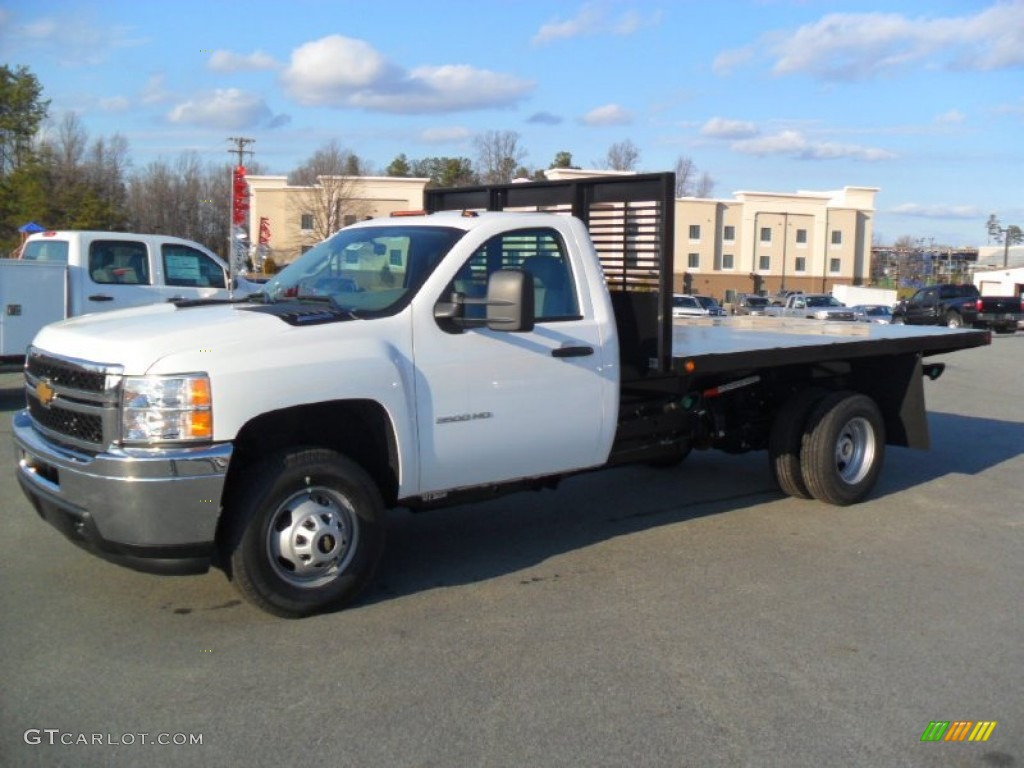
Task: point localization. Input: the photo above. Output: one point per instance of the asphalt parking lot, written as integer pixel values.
(684, 617)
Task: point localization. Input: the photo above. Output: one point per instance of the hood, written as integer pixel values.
(137, 338)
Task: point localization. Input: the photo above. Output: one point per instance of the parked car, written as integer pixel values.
(750, 305)
(713, 307)
(816, 306)
(872, 313)
(684, 305)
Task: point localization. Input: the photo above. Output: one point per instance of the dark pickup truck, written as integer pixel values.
(958, 306)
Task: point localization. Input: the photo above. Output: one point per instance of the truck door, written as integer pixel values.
(921, 309)
(118, 274)
(494, 405)
(190, 274)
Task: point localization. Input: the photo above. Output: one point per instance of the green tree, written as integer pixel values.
(445, 171)
(1009, 235)
(22, 110)
(563, 159)
(399, 167)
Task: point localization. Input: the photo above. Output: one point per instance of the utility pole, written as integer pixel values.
(236, 231)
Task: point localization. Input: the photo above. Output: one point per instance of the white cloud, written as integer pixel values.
(609, 114)
(938, 211)
(952, 117)
(795, 144)
(115, 104)
(155, 90)
(228, 61)
(721, 128)
(858, 46)
(593, 20)
(452, 134)
(338, 71)
(226, 108)
(544, 118)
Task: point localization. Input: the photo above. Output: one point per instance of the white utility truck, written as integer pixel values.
(510, 337)
(70, 273)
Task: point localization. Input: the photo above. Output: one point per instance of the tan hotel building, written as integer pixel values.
(756, 242)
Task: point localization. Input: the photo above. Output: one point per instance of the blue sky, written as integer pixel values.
(924, 101)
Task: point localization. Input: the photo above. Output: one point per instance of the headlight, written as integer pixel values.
(166, 408)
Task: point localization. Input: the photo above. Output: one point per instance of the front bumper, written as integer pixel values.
(151, 510)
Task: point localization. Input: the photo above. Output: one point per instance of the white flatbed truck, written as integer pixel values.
(506, 338)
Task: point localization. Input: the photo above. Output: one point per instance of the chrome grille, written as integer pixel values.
(73, 402)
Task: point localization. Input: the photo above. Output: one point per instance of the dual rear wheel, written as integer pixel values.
(828, 446)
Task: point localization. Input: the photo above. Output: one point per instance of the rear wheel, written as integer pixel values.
(785, 440)
(843, 448)
(306, 536)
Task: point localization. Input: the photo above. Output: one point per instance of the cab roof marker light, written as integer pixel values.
(398, 214)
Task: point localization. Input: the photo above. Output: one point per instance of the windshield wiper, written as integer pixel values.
(327, 299)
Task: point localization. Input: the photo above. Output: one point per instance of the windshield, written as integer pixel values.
(707, 302)
(756, 301)
(365, 269)
(823, 301)
(46, 250)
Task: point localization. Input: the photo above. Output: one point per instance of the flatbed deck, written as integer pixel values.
(717, 345)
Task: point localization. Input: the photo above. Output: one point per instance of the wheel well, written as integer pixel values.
(359, 429)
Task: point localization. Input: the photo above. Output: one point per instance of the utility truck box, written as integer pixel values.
(501, 340)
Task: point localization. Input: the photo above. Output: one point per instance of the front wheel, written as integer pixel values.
(899, 320)
(307, 535)
(843, 448)
(953, 320)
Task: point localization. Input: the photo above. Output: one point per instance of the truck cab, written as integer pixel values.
(115, 270)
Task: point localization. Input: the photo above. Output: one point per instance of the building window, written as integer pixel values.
(766, 234)
(306, 223)
(764, 263)
(801, 237)
(695, 232)
(729, 233)
(693, 260)
(833, 265)
(727, 261)
(837, 237)
(801, 264)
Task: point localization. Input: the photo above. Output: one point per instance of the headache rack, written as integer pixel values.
(631, 222)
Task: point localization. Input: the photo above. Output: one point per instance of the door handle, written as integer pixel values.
(100, 297)
(572, 352)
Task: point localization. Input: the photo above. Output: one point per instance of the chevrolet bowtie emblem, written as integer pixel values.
(44, 392)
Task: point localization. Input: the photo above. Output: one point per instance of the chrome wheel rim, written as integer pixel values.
(855, 450)
(312, 537)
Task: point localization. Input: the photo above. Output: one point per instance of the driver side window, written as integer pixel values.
(541, 253)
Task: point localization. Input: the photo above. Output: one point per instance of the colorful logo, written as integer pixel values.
(958, 730)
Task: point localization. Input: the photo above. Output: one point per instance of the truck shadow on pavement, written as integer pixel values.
(516, 533)
(961, 445)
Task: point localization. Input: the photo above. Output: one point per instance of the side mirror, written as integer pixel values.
(510, 301)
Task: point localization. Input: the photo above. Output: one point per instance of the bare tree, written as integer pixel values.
(705, 186)
(623, 156)
(686, 174)
(498, 156)
(328, 199)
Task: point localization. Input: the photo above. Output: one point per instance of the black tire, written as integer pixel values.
(785, 441)
(954, 320)
(307, 534)
(843, 448)
(899, 320)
